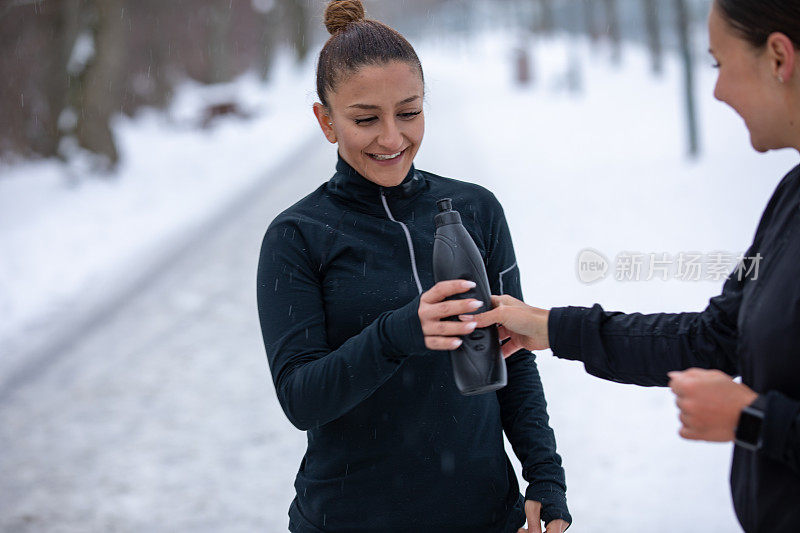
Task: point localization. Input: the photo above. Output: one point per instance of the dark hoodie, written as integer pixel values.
(752, 329)
(392, 444)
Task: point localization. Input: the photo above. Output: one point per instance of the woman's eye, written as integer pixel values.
(409, 115)
(715, 64)
(404, 116)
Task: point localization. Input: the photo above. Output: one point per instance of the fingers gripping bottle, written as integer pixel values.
(478, 363)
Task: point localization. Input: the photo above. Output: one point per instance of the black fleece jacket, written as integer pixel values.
(752, 329)
(392, 444)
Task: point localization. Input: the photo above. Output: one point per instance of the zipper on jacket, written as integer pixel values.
(408, 239)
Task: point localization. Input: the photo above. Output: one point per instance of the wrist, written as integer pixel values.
(546, 328)
(535, 333)
(553, 500)
(748, 396)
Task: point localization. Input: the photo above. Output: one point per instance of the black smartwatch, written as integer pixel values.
(749, 431)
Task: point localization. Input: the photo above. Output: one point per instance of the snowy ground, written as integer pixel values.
(163, 418)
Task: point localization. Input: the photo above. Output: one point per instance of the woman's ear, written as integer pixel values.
(325, 122)
(782, 55)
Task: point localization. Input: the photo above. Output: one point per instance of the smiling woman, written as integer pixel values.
(354, 342)
(371, 89)
(375, 115)
(756, 61)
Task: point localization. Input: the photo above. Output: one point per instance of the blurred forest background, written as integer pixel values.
(67, 67)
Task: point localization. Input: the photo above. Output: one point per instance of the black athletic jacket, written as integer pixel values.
(392, 444)
(752, 329)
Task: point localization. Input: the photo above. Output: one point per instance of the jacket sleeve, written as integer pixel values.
(523, 408)
(781, 430)
(641, 349)
(314, 383)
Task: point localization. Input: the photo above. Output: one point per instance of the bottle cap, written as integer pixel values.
(446, 214)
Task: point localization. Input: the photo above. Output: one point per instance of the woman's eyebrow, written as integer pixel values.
(408, 100)
(372, 106)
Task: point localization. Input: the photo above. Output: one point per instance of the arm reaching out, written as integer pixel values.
(627, 348)
(524, 325)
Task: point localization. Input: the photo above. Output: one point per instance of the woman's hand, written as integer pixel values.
(442, 334)
(710, 403)
(533, 512)
(526, 326)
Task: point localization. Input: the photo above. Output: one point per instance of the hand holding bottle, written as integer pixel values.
(443, 334)
(525, 326)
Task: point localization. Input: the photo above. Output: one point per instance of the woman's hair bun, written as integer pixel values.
(340, 13)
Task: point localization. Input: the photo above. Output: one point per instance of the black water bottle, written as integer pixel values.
(478, 363)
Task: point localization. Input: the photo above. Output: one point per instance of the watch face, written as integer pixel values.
(749, 429)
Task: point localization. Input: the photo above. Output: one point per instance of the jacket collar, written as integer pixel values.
(354, 189)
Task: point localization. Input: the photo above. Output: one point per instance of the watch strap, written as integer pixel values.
(750, 429)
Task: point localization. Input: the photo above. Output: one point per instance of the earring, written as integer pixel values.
(331, 123)
(780, 78)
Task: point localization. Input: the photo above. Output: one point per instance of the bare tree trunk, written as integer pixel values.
(613, 30)
(546, 21)
(590, 20)
(157, 46)
(574, 74)
(653, 30)
(683, 22)
(522, 66)
(100, 82)
(266, 54)
(65, 29)
(159, 73)
(296, 14)
(219, 25)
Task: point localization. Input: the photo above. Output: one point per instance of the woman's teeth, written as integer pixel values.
(380, 157)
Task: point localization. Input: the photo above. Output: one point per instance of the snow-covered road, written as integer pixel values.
(163, 418)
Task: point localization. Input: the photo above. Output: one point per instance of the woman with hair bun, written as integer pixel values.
(753, 328)
(354, 341)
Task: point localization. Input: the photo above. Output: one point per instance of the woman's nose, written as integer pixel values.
(718, 92)
(390, 136)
